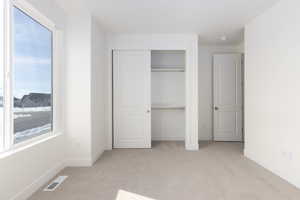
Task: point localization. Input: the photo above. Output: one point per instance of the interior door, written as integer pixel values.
(132, 100)
(228, 108)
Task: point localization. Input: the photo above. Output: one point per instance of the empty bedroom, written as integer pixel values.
(149, 100)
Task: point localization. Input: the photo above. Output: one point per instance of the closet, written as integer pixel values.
(167, 95)
(148, 97)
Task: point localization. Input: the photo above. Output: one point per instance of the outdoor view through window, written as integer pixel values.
(32, 77)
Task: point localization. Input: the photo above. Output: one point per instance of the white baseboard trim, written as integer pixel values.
(205, 138)
(192, 147)
(79, 162)
(246, 153)
(96, 156)
(167, 138)
(38, 183)
(108, 148)
(249, 156)
(51, 173)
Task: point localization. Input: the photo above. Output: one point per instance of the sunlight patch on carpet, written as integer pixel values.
(123, 195)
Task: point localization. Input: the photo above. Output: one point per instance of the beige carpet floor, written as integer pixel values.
(218, 171)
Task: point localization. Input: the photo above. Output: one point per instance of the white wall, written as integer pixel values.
(98, 90)
(85, 44)
(78, 87)
(25, 170)
(206, 85)
(272, 86)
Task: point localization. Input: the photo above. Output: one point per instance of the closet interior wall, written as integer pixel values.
(168, 95)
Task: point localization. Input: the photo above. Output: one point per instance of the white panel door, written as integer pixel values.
(132, 100)
(228, 108)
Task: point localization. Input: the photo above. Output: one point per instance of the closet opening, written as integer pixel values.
(168, 95)
(150, 98)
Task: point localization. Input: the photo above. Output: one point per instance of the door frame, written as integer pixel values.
(191, 87)
(186, 94)
(243, 93)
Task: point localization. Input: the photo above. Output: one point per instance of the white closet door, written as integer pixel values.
(227, 97)
(132, 100)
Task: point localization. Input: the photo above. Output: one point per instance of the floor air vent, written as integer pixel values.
(54, 184)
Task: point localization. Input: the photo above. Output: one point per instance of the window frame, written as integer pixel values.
(7, 138)
(2, 42)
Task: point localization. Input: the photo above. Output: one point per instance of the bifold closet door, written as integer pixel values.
(132, 100)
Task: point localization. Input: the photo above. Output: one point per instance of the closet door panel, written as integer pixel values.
(132, 100)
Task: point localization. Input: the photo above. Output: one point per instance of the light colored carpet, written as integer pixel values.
(167, 172)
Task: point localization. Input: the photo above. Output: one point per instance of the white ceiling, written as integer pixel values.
(209, 18)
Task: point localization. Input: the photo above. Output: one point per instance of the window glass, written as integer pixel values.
(32, 77)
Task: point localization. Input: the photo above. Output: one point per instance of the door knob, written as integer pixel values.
(216, 108)
(148, 111)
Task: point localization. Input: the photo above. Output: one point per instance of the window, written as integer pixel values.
(32, 77)
(26, 73)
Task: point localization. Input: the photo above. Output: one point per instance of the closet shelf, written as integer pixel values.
(167, 69)
(167, 107)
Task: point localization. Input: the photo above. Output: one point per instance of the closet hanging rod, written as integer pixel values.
(167, 69)
(168, 66)
(168, 108)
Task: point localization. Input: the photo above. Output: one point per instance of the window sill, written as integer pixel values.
(28, 144)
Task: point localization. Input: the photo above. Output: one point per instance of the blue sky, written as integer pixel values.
(32, 56)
